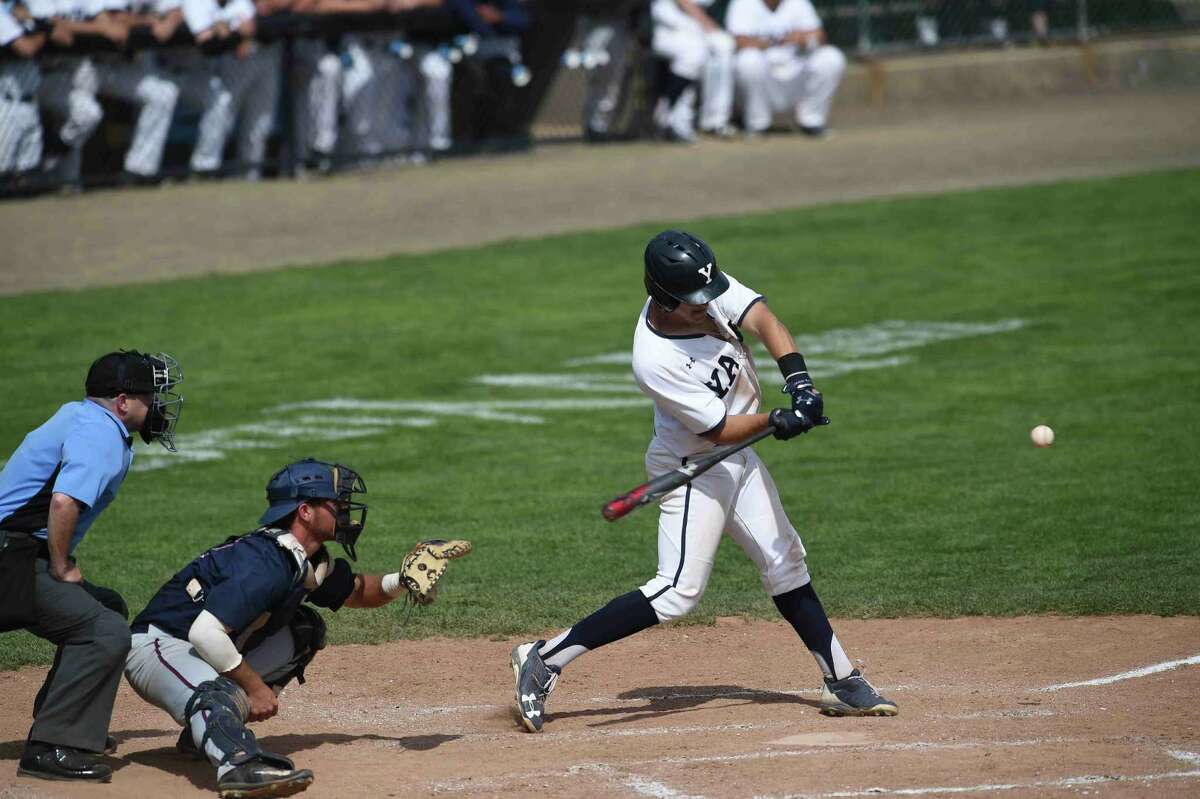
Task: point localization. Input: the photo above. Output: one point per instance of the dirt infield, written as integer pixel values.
(137, 235)
(723, 711)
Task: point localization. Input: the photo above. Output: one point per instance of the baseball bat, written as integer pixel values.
(681, 475)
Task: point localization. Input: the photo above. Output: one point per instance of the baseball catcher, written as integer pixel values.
(221, 639)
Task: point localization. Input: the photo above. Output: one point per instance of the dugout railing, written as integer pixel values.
(501, 90)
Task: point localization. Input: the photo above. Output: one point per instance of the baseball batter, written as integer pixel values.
(222, 638)
(690, 356)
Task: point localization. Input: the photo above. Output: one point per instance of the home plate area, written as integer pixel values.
(1031, 706)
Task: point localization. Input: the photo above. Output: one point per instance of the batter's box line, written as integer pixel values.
(1145, 671)
(988, 788)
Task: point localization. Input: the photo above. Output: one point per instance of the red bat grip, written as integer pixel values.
(625, 503)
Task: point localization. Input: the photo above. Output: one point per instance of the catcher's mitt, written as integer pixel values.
(426, 563)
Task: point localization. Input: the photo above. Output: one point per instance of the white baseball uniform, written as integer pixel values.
(785, 76)
(697, 54)
(137, 82)
(695, 382)
(20, 127)
(254, 84)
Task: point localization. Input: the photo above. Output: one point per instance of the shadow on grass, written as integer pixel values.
(673, 699)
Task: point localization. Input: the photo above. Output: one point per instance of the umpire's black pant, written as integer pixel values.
(87, 622)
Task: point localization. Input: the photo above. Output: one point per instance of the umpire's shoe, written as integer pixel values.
(48, 762)
(263, 776)
(535, 681)
(854, 696)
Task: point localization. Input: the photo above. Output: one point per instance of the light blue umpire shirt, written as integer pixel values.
(83, 451)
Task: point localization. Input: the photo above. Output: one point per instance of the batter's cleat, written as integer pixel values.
(535, 681)
(262, 778)
(186, 745)
(854, 696)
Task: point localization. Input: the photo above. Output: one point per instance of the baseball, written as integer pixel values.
(1042, 435)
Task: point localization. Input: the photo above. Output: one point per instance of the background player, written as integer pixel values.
(783, 63)
(222, 638)
(690, 357)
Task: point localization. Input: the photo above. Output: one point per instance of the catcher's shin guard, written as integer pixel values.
(224, 708)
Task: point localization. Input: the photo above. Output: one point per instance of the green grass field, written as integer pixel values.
(924, 497)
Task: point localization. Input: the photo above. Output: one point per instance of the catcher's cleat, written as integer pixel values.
(854, 696)
(535, 681)
(260, 778)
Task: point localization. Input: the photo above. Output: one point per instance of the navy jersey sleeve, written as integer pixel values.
(337, 587)
(254, 583)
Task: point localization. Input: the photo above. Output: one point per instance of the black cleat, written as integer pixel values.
(854, 696)
(47, 762)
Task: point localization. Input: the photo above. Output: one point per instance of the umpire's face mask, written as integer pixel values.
(161, 419)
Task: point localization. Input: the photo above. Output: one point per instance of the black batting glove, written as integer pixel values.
(789, 423)
(806, 399)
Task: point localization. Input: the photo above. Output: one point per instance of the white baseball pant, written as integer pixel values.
(804, 84)
(375, 90)
(319, 79)
(437, 74)
(697, 54)
(165, 671)
(738, 497)
(253, 82)
(20, 126)
(68, 90)
(137, 83)
(200, 87)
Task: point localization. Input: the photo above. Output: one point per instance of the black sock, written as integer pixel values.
(674, 86)
(621, 618)
(804, 612)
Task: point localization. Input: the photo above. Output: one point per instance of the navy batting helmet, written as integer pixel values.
(310, 479)
(682, 268)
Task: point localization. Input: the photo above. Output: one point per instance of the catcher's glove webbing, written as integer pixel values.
(426, 563)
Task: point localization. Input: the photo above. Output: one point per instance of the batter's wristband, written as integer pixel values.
(793, 367)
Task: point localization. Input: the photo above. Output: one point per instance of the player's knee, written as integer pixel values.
(161, 94)
(220, 697)
(85, 110)
(750, 65)
(689, 60)
(329, 66)
(830, 60)
(722, 45)
(112, 639)
(435, 66)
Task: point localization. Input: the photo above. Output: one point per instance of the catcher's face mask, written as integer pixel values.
(346, 484)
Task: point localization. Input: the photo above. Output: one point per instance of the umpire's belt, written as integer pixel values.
(18, 98)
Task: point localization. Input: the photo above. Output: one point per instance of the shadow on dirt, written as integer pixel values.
(669, 700)
(11, 750)
(201, 774)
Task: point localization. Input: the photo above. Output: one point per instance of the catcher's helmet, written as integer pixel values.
(682, 268)
(312, 479)
(132, 372)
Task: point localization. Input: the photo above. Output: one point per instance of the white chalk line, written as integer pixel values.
(985, 788)
(1191, 758)
(1126, 675)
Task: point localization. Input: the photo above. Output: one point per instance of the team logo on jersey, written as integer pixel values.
(706, 270)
